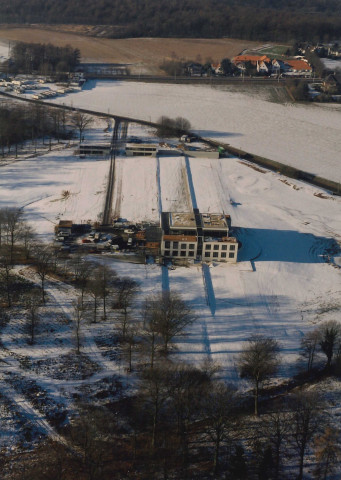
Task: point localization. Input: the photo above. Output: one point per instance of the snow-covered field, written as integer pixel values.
(135, 193)
(55, 186)
(305, 136)
(287, 230)
(284, 284)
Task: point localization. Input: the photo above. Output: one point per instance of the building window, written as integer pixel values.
(231, 255)
(183, 246)
(224, 247)
(216, 247)
(175, 253)
(191, 254)
(207, 254)
(175, 244)
(191, 246)
(167, 252)
(183, 253)
(208, 247)
(232, 247)
(215, 254)
(223, 255)
(167, 244)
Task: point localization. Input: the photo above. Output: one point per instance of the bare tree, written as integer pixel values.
(171, 316)
(258, 361)
(125, 292)
(82, 270)
(150, 337)
(309, 348)
(32, 304)
(28, 240)
(12, 221)
(6, 277)
(105, 277)
(219, 403)
(43, 256)
(130, 341)
(2, 225)
(327, 453)
(81, 121)
(95, 291)
(276, 428)
(187, 386)
(154, 394)
(98, 286)
(78, 316)
(305, 420)
(330, 340)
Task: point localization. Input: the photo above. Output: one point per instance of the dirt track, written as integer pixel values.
(144, 54)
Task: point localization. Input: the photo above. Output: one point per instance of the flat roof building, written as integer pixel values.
(91, 149)
(201, 236)
(141, 149)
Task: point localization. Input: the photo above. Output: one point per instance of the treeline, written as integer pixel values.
(43, 58)
(19, 124)
(312, 20)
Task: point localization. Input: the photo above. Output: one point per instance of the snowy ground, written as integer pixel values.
(135, 194)
(58, 185)
(305, 136)
(284, 283)
(54, 187)
(281, 285)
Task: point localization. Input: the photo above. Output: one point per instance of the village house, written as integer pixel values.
(298, 67)
(194, 69)
(265, 66)
(216, 68)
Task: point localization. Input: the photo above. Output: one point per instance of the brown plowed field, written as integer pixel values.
(143, 54)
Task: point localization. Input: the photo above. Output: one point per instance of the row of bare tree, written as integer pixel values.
(183, 423)
(20, 124)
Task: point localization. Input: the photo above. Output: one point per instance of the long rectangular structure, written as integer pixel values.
(98, 149)
(141, 149)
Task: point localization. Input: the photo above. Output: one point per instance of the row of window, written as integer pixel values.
(183, 246)
(207, 246)
(176, 253)
(223, 246)
(216, 255)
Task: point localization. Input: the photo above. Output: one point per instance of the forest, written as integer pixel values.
(44, 58)
(269, 20)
